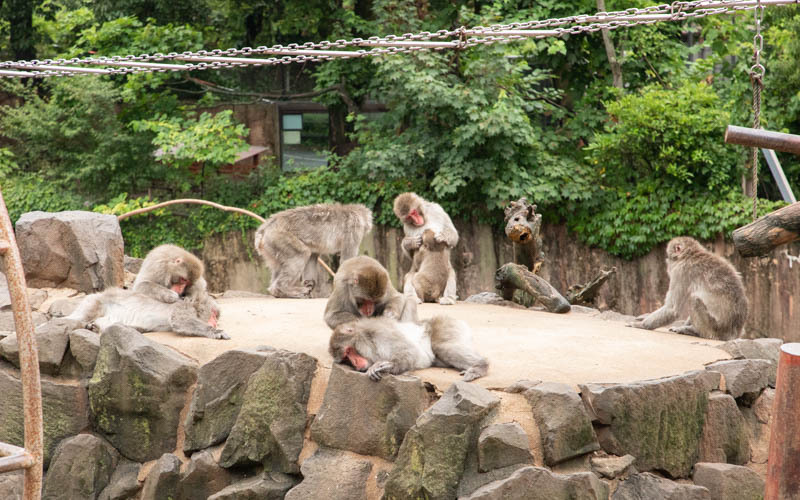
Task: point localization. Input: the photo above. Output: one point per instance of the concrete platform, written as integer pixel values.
(521, 344)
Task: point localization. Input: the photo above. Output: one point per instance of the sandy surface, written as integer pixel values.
(520, 344)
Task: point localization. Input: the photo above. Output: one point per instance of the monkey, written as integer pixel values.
(418, 215)
(706, 285)
(383, 345)
(430, 270)
(362, 288)
(146, 314)
(169, 272)
(291, 241)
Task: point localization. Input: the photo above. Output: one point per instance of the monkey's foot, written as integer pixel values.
(375, 371)
(446, 301)
(637, 324)
(309, 284)
(685, 330)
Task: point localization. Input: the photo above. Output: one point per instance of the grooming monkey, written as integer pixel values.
(169, 272)
(430, 270)
(291, 241)
(417, 216)
(704, 284)
(362, 288)
(195, 317)
(382, 345)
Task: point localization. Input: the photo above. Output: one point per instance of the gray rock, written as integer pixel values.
(137, 392)
(729, 482)
(521, 386)
(81, 467)
(218, 397)
(757, 418)
(646, 486)
(36, 298)
(591, 311)
(563, 422)
(431, 459)
(204, 477)
(7, 320)
(769, 349)
(74, 249)
(11, 487)
(612, 467)
(472, 479)
(332, 475)
(267, 486)
(65, 410)
(501, 445)
(659, 422)
(743, 377)
(84, 346)
(270, 426)
(378, 423)
(52, 339)
(537, 482)
(725, 437)
(492, 299)
(64, 307)
(132, 264)
(615, 316)
(124, 483)
(161, 482)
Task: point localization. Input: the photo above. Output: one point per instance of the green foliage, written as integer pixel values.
(29, 192)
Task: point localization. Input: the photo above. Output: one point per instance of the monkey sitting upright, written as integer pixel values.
(362, 288)
(382, 345)
(430, 270)
(704, 284)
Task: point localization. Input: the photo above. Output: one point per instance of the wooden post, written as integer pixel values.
(768, 232)
(783, 467)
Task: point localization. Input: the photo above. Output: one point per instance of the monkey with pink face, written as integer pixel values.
(419, 215)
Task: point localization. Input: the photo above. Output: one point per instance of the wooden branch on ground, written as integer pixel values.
(768, 232)
(511, 277)
(586, 293)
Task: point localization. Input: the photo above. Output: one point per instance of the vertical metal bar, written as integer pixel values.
(28, 355)
(778, 175)
(783, 466)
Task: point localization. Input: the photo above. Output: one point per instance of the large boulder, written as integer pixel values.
(538, 482)
(743, 377)
(81, 467)
(80, 250)
(725, 437)
(218, 397)
(501, 445)
(649, 486)
(333, 475)
(124, 482)
(728, 482)
(204, 477)
(52, 339)
(161, 482)
(660, 422)
(431, 459)
(270, 426)
(769, 349)
(84, 346)
(65, 410)
(266, 486)
(758, 418)
(377, 424)
(137, 392)
(563, 422)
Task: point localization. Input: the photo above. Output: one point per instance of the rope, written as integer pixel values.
(757, 79)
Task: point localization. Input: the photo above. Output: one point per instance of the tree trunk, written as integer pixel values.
(616, 68)
(768, 232)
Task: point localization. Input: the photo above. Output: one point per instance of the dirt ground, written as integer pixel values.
(520, 344)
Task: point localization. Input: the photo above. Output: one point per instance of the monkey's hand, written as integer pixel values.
(638, 324)
(412, 242)
(641, 317)
(220, 335)
(375, 371)
(170, 297)
(446, 301)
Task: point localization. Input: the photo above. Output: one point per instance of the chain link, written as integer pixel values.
(380, 46)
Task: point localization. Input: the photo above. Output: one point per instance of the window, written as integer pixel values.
(304, 140)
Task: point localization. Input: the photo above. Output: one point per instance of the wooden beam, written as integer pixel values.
(778, 141)
(768, 232)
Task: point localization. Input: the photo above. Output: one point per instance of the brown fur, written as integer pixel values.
(704, 285)
(362, 279)
(430, 268)
(405, 202)
(291, 241)
(164, 266)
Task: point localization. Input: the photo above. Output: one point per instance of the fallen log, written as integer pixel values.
(768, 232)
(511, 277)
(584, 295)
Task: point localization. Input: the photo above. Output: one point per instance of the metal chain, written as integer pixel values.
(459, 38)
(757, 79)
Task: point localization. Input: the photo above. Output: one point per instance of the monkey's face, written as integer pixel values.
(342, 350)
(180, 285)
(368, 288)
(415, 218)
(679, 247)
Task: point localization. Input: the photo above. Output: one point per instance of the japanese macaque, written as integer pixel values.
(168, 273)
(430, 270)
(707, 287)
(382, 345)
(419, 215)
(291, 241)
(362, 288)
(192, 317)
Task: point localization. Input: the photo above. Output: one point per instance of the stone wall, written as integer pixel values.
(772, 282)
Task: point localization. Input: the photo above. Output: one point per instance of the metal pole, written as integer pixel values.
(783, 466)
(28, 355)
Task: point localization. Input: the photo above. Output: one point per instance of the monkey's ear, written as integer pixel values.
(348, 329)
(678, 248)
(178, 260)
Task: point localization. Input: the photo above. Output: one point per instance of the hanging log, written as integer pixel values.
(522, 228)
(584, 295)
(768, 232)
(751, 137)
(511, 277)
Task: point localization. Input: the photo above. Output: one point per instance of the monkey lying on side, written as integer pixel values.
(430, 270)
(704, 284)
(146, 314)
(384, 345)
